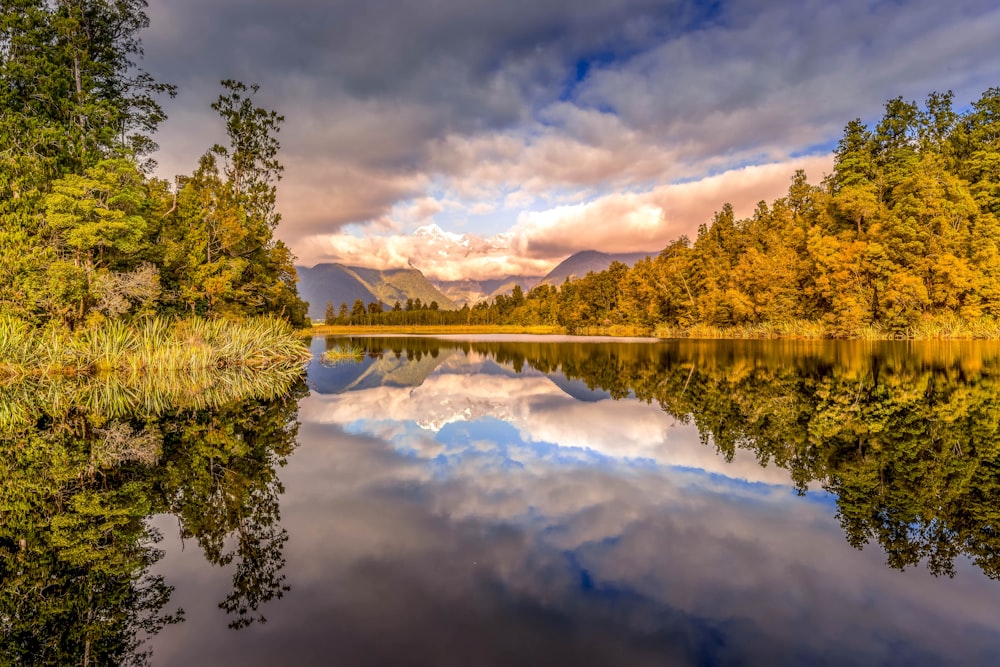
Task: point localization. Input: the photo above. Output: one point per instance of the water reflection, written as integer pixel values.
(85, 461)
(904, 435)
(450, 502)
(460, 511)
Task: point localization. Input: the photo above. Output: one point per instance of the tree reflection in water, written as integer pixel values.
(84, 463)
(904, 434)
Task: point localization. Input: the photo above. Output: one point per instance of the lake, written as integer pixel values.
(504, 500)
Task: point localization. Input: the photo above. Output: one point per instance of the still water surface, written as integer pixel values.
(495, 502)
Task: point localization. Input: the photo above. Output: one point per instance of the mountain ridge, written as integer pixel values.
(579, 264)
(338, 283)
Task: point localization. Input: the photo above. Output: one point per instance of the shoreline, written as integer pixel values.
(795, 331)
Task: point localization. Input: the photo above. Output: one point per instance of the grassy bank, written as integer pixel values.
(151, 344)
(429, 329)
(121, 395)
(948, 327)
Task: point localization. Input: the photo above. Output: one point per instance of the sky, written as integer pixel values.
(476, 139)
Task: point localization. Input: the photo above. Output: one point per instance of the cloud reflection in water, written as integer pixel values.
(482, 516)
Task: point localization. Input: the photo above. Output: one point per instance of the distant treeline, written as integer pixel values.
(905, 233)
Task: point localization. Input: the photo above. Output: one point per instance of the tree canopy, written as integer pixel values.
(85, 232)
(905, 231)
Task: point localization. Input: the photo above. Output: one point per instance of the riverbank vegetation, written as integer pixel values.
(152, 343)
(902, 240)
(375, 329)
(90, 242)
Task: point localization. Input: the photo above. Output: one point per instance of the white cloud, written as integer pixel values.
(626, 222)
(542, 413)
(468, 103)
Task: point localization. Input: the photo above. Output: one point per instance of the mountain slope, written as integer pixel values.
(474, 291)
(395, 285)
(580, 264)
(336, 283)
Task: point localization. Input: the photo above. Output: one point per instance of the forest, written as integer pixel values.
(87, 235)
(901, 239)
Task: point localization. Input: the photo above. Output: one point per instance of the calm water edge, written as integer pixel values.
(517, 501)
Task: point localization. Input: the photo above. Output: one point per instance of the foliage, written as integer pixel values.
(339, 354)
(903, 235)
(85, 468)
(85, 233)
(152, 344)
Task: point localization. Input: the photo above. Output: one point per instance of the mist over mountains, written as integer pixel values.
(338, 283)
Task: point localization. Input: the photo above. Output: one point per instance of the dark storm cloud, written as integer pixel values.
(477, 60)
(368, 88)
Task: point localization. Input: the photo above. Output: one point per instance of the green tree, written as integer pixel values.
(223, 257)
(72, 94)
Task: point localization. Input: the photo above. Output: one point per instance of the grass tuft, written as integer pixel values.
(342, 354)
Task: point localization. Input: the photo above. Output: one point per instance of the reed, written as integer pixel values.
(17, 346)
(364, 330)
(948, 326)
(122, 395)
(146, 345)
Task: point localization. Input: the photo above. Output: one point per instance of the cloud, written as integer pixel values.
(621, 222)
(649, 221)
(437, 254)
(541, 412)
(546, 103)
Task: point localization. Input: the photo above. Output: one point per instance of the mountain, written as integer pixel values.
(580, 264)
(335, 283)
(574, 266)
(382, 371)
(474, 291)
(339, 284)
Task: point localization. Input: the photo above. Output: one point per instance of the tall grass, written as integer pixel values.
(149, 344)
(789, 329)
(948, 326)
(364, 330)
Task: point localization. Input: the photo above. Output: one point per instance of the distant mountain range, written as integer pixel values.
(337, 283)
(580, 264)
(474, 291)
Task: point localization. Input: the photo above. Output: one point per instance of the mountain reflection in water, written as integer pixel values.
(455, 502)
